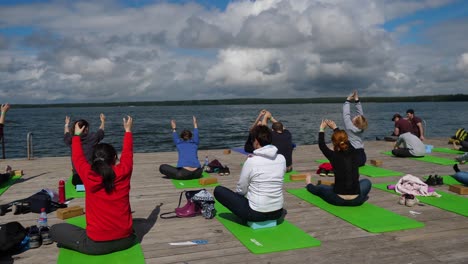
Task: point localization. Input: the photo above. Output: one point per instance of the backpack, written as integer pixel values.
(461, 134)
(11, 236)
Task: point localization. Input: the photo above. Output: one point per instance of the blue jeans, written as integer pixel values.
(328, 195)
(239, 205)
(462, 177)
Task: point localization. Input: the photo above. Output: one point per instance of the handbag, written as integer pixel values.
(198, 202)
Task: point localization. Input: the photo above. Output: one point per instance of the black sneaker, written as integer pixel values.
(323, 172)
(35, 239)
(226, 171)
(431, 181)
(45, 236)
(439, 180)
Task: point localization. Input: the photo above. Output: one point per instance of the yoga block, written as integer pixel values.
(377, 163)
(65, 213)
(207, 181)
(18, 173)
(322, 182)
(227, 151)
(297, 177)
(264, 224)
(458, 188)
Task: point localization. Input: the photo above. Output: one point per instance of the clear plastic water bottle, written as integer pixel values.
(42, 221)
(207, 161)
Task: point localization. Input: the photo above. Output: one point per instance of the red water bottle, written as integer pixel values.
(61, 190)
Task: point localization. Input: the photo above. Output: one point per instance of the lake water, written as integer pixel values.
(219, 126)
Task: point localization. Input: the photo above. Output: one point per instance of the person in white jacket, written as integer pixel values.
(259, 192)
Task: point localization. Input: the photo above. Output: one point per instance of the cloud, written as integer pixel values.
(269, 48)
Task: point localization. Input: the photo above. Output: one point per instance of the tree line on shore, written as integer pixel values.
(249, 101)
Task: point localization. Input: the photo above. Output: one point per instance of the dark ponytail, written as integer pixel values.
(104, 156)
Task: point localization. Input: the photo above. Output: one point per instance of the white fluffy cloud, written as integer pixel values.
(274, 48)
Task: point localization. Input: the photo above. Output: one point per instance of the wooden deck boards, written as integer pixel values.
(444, 239)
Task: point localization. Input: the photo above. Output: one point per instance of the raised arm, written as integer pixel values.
(67, 125)
(260, 117)
(323, 147)
(126, 158)
(4, 109)
(195, 124)
(103, 121)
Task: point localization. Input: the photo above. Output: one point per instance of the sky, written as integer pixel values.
(148, 50)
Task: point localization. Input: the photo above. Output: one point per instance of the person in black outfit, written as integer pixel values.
(348, 190)
(88, 140)
(281, 139)
(260, 120)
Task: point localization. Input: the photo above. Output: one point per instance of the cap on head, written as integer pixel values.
(397, 115)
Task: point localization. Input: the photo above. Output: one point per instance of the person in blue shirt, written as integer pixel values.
(188, 167)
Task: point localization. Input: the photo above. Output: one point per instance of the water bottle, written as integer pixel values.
(61, 190)
(42, 221)
(207, 161)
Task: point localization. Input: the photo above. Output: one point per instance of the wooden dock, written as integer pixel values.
(444, 239)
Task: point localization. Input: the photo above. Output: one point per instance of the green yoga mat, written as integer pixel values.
(372, 171)
(430, 159)
(130, 255)
(284, 236)
(288, 174)
(447, 150)
(449, 202)
(181, 184)
(369, 217)
(7, 184)
(70, 190)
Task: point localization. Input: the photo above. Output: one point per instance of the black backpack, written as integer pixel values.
(11, 236)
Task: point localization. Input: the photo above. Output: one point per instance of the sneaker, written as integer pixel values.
(221, 172)
(431, 181)
(331, 173)
(35, 240)
(402, 199)
(45, 236)
(323, 172)
(439, 180)
(462, 159)
(411, 200)
(226, 171)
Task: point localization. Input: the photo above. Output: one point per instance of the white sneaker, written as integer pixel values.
(410, 202)
(402, 200)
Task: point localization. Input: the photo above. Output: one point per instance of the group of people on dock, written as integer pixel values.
(259, 192)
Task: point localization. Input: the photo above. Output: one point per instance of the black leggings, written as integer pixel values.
(403, 152)
(239, 205)
(180, 173)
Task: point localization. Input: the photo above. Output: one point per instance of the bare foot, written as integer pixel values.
(308, 179)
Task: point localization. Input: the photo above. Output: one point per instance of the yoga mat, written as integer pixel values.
(130, 255)
(70, 190)
(181, 184)
(4, 186)
(284, 236)
(449, 202)
(241, 151)
(367, 216)
(372, 171)
(287, 174)
(430, 159)
(447, 150)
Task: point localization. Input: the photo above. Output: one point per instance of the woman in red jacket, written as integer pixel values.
(107, 184)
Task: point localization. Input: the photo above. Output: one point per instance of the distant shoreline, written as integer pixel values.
(247, 101)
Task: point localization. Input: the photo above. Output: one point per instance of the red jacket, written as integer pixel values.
(108, 216)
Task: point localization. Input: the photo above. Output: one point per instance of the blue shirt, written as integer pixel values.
(187, 149)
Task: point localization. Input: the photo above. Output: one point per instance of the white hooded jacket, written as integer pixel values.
(261, 179)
